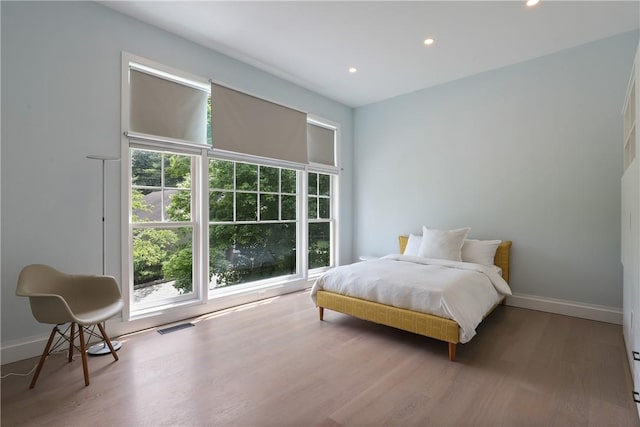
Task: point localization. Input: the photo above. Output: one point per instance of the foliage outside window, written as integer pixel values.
(252, 222)
(320, 220)
(161, 218)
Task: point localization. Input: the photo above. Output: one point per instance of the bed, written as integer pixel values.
(439, 326)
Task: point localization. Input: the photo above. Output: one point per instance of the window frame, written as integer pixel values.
(261, 283)
(203, 299)
(134, 140)
(313, 272)
(163, 224)
(334, 172)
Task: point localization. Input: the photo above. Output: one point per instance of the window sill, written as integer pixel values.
(156, 310)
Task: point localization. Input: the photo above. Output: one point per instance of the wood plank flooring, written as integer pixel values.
(273, 363)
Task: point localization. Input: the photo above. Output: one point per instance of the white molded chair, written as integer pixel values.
(58, 298)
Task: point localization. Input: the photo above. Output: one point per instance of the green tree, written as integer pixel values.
(151, 247)
(146, 168)
(238, 253)
(179, 264)
(319, 244)
(159, 254)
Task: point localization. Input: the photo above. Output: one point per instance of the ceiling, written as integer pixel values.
(313, 43)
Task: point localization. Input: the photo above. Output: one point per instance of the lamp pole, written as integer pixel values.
(102, 348)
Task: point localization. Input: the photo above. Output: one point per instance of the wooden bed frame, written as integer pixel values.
(413, 321)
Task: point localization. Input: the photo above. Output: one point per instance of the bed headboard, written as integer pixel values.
(501, 259)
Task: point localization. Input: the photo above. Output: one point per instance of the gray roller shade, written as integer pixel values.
(245, 124)
(168, 109)
(321, 145)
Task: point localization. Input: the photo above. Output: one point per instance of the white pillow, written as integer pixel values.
(480, 251)
(413, 245)
(442, 244)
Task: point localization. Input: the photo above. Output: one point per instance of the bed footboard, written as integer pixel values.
(419, 323)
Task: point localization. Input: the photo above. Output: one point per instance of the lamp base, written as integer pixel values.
(102, 348)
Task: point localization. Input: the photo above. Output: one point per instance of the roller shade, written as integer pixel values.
(164, 108)
(245, 124)
(321, 145)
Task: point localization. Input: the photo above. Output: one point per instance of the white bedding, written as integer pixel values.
(460, 291)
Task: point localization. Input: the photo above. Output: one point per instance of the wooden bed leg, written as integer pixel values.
(321, 312)
(452, 351)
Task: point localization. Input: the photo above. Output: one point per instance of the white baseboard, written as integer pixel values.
(600, 313)
(23, 348)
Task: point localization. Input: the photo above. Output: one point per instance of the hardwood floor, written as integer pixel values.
(274, 363)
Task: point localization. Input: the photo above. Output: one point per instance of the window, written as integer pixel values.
(253, 222)
(320, 220)
(162, 227)
(209, 225)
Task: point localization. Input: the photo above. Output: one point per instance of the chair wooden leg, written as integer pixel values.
(83, 352)
(107, 340)
(71, 340)
(45, 353)
(321, 312)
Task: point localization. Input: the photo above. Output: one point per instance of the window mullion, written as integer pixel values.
(202, 217)
(162, 218)
(317, 195)
(303, 223)
(258, 216)
(280, 191)
(235, 192)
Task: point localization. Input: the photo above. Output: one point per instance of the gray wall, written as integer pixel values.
(61, 65)
(530, 152)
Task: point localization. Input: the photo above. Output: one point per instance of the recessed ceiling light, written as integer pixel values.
(532, 3)
(429, 41)
(353, 70)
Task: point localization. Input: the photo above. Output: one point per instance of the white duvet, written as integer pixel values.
(460, 291)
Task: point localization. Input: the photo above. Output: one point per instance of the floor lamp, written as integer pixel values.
(103, 348)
